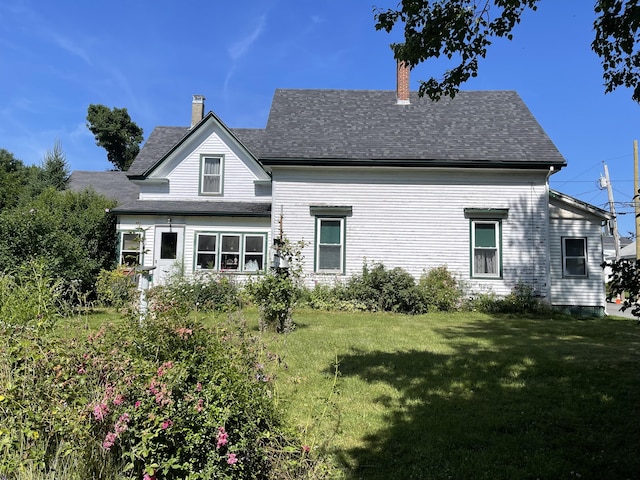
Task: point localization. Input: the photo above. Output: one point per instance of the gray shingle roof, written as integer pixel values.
(480, 128)
(204, 207)
(161, 140)
(474, 127)
(114, 185)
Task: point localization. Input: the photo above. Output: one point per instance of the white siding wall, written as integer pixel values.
(183, 171)
(415, 219)
(191, 225)
(576, 291)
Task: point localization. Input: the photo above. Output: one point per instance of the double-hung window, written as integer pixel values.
(130, 249)
(485, 248)
(330, 245)
(230, 252)
(574, 257)
(211, 175)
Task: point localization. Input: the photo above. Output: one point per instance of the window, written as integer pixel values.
(253, 253)
(330, 245)
(485, 245)
(230, 252)
(574, 257)
(168, 245)
(233, 252)
(206, 252)
(211, 181)
(131, 248)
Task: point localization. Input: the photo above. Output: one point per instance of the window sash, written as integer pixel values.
(130, 251)
(206, 251)
(485, 241)
(330, 245)
(211, 175)
(230, 252)
(574, 257)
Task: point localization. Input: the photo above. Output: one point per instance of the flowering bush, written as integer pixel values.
(166, 399)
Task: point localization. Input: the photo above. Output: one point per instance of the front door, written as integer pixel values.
(167, 256)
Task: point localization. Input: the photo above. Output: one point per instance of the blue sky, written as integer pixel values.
(150, 57)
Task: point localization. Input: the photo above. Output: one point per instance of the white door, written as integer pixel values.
(168, 249)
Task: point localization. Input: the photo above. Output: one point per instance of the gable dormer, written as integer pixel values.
(206, 161)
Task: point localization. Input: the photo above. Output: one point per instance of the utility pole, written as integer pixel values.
(612, 209)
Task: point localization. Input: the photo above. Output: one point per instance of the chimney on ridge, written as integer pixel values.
(402, 83)
(197, 109)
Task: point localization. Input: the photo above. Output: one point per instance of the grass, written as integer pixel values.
(464, 395)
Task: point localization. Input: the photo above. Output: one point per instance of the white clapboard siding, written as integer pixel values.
(182, 169)
(414, 219)
(192, 225)
(588, 291)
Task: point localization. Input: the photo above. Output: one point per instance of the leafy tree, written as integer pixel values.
(625, 281)
(53, 171)
(116, 133)
(71, 232)
(14, 179)
(465, 29)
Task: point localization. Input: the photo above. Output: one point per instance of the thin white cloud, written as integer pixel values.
(240, 48)
(69, 46)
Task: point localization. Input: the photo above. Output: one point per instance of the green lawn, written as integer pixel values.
(465, 395)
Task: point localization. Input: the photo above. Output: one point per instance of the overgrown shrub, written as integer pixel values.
(30, 296)
(204, 293)
(166, 398)
(441, 290)
(275, 293)
(521, 299)
(381, 289)
(116, 288)
(72, 233)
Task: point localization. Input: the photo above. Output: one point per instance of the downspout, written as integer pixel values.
(548, 233)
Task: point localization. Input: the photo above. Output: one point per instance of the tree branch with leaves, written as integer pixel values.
(463, 30)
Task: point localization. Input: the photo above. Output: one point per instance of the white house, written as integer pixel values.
(368, 176)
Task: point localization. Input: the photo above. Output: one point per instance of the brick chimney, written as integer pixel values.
(402, 83)
(197, 109)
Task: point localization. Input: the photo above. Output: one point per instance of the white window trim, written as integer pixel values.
(139, 252)
(566, 274)
(203, 159)
(498, 239)
(319, 220)
(242, 252)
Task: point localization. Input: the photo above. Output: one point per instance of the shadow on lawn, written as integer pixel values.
(514, 400)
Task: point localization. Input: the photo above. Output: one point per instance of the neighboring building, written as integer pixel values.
(368, 176)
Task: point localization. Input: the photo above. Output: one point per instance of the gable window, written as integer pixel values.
(130, 251)
(485, 248)
(231, 252)
(330, 245)
(211, 176)
(574, 257)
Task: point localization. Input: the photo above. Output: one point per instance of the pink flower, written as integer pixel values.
(198, 387)
(184, 332)
(123, 423)
(232, 459)
(199, 406)
(81, 371)
(109, 440)
(166, 424)
(164, 368)
(222, 437)
(100, 410)
(149, 477)
(137, 404)
(118, 400)
(305, 448)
